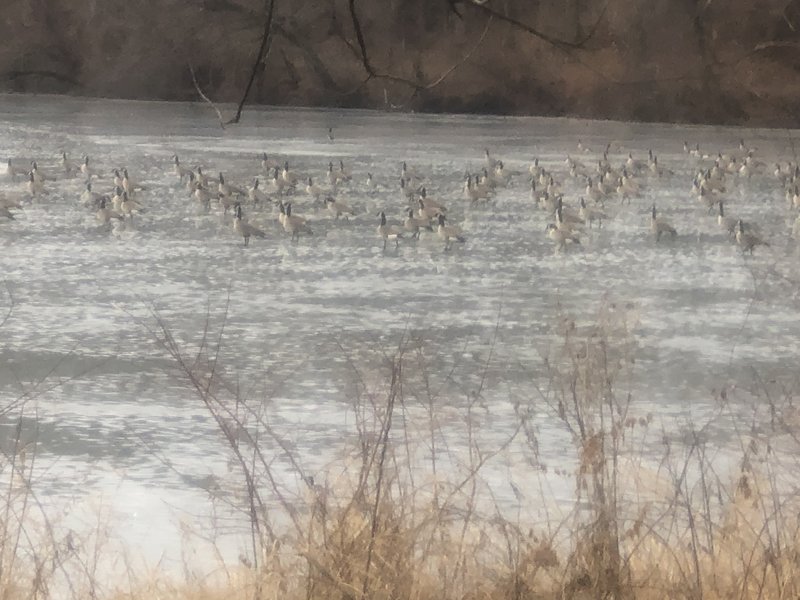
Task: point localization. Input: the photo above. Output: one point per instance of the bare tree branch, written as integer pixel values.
(263, 51)
(206, 98)
(577, 44)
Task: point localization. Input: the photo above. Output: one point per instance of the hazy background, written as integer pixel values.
(731, 61)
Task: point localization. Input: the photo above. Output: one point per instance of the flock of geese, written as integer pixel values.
(599, 187)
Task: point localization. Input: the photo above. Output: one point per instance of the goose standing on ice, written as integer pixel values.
(337, 208)
(293, 224)
(746, 240)
(180, 171)
(413, 224)
(105, 214)
(86, 170)
(561, 237)
(389, 233)
(255, 195)
(659, 226)
(449, 233)
(89, 197)
(245, 229)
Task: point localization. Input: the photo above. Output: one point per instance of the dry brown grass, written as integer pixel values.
(383, 523)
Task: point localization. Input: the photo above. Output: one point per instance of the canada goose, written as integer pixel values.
(127, 184)
(314, 190)
(371, 181)
(407, 191)
(589, 214)
(491, 163)
(427, 212)
(277, 181)
(201, 177)
(413, 224)
(337, 207)
(117, 178)
(179, 170)
(295, 224)
(388, 232)
(727, 224)
(34, 188)
(535, 195)
(255, 195)
(472, 192)
(38, 176)
(86, 170)
(333, 178)
(287, 175)
(344, 174)
(597, 194)
(660, 226)
(67, 165)
(430, 202)
(330, 134)
(449, 232)
(267, 163)
(226, 189)
(116, 199)
(566, 217)
(227, 202)
(191, 183)
(535, 170)
(129, 206)
(633, 165)
(245, 229)
(105, 214)
(561, 237)
(747, 241)
(202, 196)
(89, 197)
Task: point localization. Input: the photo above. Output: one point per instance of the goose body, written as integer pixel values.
(256, 195)
(591, 214)
(427, 212)
(389, 233)
(659, 226)
(86, 170)
(337, 207)
(413, 224)
(294, 224)
(180, 171)
(67, 166)
(245, 229)
(561, 238)
(90, 197)
(105, 214)
(449, 233)
(747, 241)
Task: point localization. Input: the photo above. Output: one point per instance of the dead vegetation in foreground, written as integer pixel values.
(398, 515)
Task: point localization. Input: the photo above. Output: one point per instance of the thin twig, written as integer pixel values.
(206, 98)
(261, 56)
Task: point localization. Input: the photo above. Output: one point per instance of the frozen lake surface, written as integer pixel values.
(118, 429)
